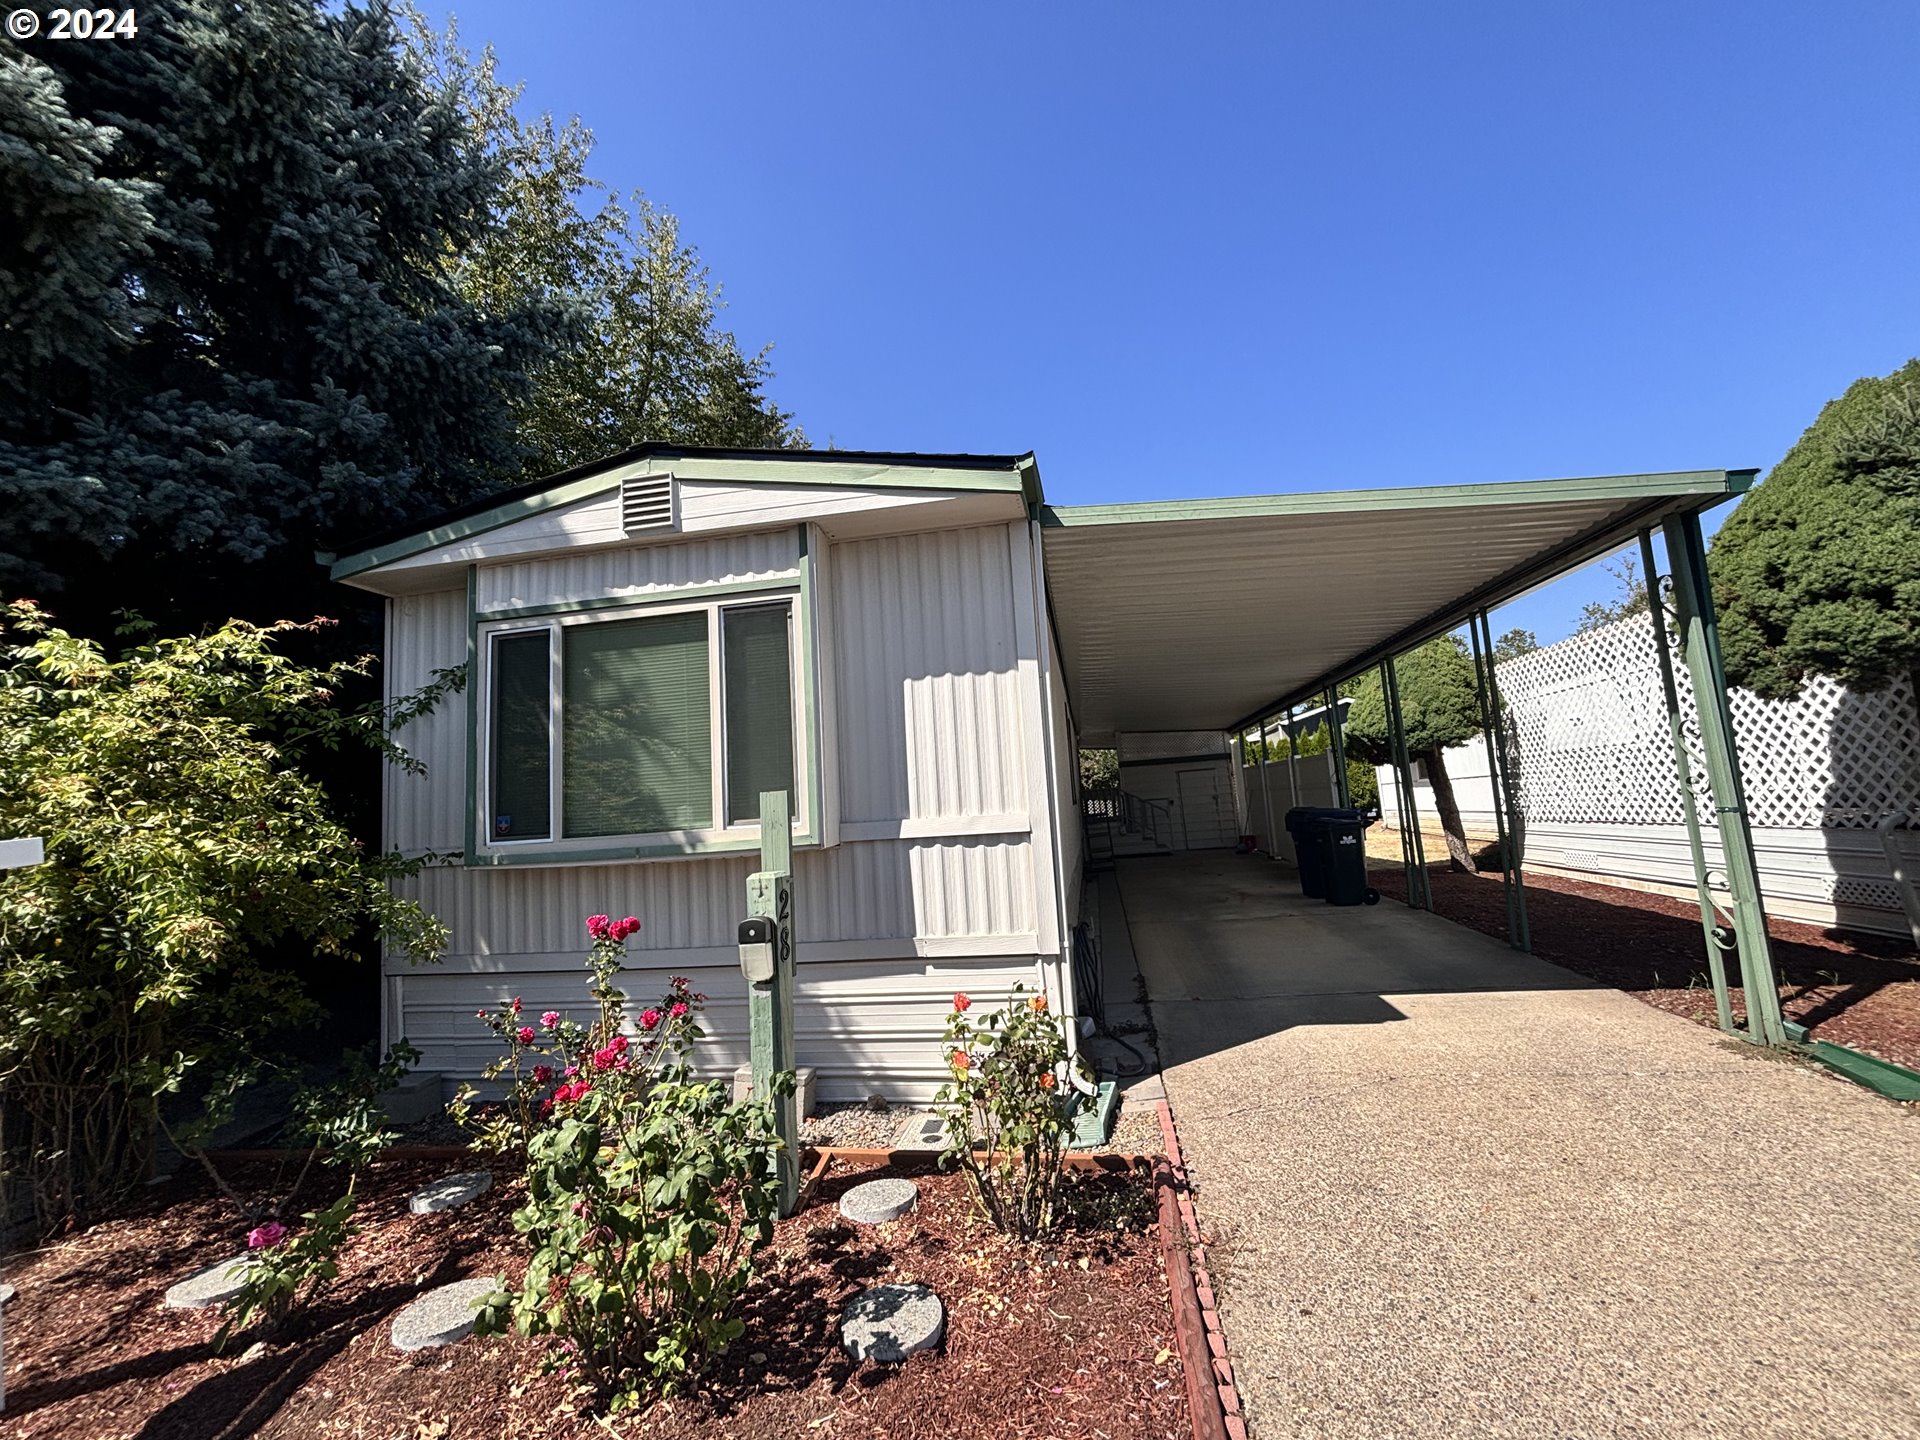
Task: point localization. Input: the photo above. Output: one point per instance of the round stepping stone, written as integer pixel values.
(890, 1322)
(218, 1282)
(442, 1316)
(879, 1201)
(452, 1191)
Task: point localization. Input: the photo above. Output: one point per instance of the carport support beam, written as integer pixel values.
(1266, 796)
(1689, 806)
(1413, 847)
(1506, 813)
(1700, 646)
(1339, 748)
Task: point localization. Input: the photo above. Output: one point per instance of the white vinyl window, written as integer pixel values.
(666, 721)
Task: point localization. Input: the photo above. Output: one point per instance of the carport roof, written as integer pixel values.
(1211, 614)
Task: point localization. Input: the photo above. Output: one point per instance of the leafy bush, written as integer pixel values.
(283, 1271)
(342, 1126)
(183, 844)
(648, 1192)
(1003, 1110)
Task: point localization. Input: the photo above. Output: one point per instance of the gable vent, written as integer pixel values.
(648, 502)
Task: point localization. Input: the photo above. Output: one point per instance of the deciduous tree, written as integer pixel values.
(1439, 706)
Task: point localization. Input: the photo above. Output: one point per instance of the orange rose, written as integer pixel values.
(1046, 1081)
(961, 1004)
(959, 1060)
(1039, 1003)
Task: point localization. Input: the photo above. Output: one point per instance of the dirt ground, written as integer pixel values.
(1857, 990)
(1064, 1340)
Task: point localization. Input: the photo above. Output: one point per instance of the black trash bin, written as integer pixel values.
(1309, 848)
(1343, 859)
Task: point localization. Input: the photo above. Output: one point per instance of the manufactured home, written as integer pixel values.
(915, 647)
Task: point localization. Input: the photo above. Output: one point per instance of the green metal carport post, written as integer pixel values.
(1717, 942)
(1700, 647)
(1336, 733)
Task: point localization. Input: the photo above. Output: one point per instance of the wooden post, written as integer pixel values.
(770, 1002)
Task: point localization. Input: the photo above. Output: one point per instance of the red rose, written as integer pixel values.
(524, 1034)
(961, 1004)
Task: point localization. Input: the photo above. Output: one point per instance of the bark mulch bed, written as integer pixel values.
(1857, 990)
(1070, 1339)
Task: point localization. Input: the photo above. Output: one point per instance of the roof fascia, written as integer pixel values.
(824, 471)
(1716, 484)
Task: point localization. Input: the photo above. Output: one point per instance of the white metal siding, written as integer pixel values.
(928, 691)
(639, 570)
(937, 885)
(426, 633)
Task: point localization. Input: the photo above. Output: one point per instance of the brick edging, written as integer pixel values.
(1232, 1417)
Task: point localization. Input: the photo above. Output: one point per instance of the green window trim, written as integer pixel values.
(648, 685)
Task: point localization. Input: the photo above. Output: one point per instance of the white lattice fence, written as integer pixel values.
(1590, 732)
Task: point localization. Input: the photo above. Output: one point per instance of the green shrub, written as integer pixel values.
(649, 1192)
(1003, 1110)
(183, 844)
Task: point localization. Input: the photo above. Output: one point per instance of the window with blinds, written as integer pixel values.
(759, 692)
(636, 727)
(522, 737)
(641, 716)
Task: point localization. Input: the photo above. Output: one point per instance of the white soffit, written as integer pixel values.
(1192, 615)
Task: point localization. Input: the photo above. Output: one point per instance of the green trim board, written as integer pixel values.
(468, 526)
(1896, 1082)
(679, 595)
(1719, 484)
(473, 712)
(1016, 475)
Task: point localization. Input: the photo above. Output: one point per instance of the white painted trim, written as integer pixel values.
(1049, 861)
(933, 947)
(937, 827)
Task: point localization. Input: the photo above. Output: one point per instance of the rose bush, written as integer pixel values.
(1003, 1109)
(649, 1191)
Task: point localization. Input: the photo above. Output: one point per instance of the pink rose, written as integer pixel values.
(524, 1034)
(266, 1236)
(603, 1059)
(649, 1019)
(678, 1009)
(621, 929)
(572, 1070)
(598, 926)
(550, 1019)
(618, 1044)
(515, 1007)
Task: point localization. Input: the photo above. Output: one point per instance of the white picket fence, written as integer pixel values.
(1596, 781)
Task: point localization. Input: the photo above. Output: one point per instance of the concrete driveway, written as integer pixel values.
(1455, 1191)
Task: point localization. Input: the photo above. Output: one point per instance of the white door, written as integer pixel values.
(1203, 810)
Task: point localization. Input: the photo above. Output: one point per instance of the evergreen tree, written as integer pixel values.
(1439, 706)
(1818, 569)
(230, 335)
(650, 361)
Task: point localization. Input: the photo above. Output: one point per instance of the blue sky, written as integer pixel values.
(1210, 250)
